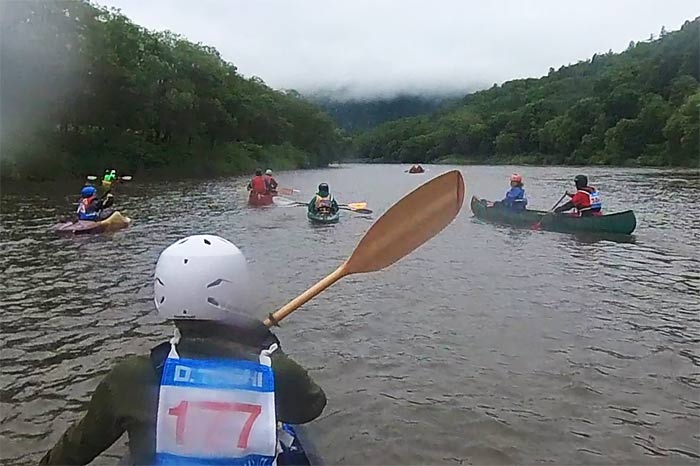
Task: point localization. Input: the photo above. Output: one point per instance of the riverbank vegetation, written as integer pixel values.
(638, 107)
(84, 88)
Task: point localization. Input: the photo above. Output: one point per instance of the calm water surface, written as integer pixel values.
(488, 345)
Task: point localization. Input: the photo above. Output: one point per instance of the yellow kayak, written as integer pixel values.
(115, 221)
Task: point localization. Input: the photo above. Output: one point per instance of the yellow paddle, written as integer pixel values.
(409, 223)
(359, 207)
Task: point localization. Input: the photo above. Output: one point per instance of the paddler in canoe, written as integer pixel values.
(416, 169)
(270, 182)
(515, 197)
(259, 190)
(323, 202)
(586, 200)
(221, 376)
(257, 184)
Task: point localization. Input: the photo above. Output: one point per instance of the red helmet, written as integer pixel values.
(517, 178)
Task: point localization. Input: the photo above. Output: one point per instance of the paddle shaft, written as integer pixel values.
(359, 211)
(557, 204)
(539, 224)
(303, 298)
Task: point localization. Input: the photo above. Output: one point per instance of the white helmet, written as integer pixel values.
(268, 172)
(202, 277)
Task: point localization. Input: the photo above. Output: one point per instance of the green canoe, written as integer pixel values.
(324, 218)
(618, 223)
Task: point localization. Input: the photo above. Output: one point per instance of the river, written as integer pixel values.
(488, 345)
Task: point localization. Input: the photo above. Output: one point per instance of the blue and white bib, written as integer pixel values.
(216, 412)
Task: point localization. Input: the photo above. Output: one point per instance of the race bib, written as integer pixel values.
(216, 412)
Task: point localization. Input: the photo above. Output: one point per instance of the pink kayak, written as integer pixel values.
(116, 221)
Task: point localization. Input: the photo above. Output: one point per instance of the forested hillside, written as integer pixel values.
(84, 88)
(641, 106)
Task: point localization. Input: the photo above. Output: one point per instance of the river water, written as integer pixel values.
(488, 345)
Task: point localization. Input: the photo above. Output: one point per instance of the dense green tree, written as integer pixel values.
(84, 88)
(636, 107)
(682, 132)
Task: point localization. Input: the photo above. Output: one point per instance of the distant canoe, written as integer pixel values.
(618, 223)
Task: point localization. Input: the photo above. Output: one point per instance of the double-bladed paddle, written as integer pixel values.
(359, 207)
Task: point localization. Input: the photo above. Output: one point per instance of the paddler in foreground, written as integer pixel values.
(586, 200)
(222, 375)
(323, 200)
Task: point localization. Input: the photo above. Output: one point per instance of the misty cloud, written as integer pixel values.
(363, 48)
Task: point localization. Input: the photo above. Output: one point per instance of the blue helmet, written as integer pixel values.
(88, 191)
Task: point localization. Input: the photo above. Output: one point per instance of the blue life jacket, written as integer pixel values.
(515, 198)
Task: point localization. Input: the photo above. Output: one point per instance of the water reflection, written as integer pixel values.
(489, 345)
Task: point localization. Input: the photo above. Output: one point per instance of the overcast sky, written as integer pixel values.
(365, 48)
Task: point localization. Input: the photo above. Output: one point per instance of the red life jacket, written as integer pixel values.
(258, 184)
(587, 199)
(271, 183)
(83, 207)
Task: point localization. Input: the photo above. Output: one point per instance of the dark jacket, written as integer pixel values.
(127, 398)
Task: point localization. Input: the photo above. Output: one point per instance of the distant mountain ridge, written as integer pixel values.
(359, 115)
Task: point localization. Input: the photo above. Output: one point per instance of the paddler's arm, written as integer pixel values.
(90, 436)
(297, 397)
(564, 207)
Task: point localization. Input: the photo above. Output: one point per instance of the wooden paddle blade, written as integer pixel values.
(356, 205)
(409, 223)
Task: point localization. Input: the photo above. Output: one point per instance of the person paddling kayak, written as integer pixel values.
(90, 206)
(110, 176)
(323, 200)
(586, 200)
(270, 182)
(221, 376)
